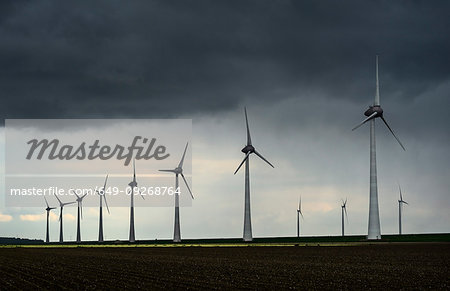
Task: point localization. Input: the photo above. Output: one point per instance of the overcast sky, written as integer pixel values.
(304, 69)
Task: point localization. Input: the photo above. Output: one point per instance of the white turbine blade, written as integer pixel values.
(346, 215)
(240, 165)
(134, 170)
(249, 139)
(81, 209)
(400, 190)
(405, 202)
(259, 155)
(390, 129)
(299, 203)
(106, 203)
(68, 203)
(46, 202)
(84, 196)
(182, 176)
(365, 120)
(180, 165)
(377, 93)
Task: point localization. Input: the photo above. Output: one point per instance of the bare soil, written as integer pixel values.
(379, 266)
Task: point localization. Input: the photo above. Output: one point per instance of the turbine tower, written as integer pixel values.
(248, 150)
(133, 184)
(344, 209)
(102, 196)
(79, 215)
(178, 171)
(400, 211)
(48, 209)
(373, 113)
(299, 212)
(61, 205)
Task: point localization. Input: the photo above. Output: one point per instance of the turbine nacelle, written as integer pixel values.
(248, 149)
(374, 109)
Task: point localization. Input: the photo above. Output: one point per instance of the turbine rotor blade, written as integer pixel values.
(182, 176)
(81, 209)
(75, 194)
(365, 120)
(259, 155)
(46, 202)
(58, 200)
(106, 203)
(390, 129)
(170, 171)
(249, 139)
(104, 186)
(377, 93)
(180, 165)
(240, 165)
(400, 190)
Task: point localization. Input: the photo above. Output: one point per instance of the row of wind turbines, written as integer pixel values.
(178, 171)
(344, 213)
(372, 113)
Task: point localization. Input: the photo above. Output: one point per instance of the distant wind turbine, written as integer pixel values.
(299, 212)
(248, 150)
(344, 209)
(400, 202)
(80, 214)
(102, 196)
(61, 205)
(178, 171)
(133, 184)
(372, 113)
(48, 209)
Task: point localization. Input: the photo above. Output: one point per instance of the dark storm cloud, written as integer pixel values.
(163, 58)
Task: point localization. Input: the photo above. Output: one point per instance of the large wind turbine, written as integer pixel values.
(133, 184)
(299, 212)
(247, 150)
(48, 209)
(400, 210)
(372, 113)
(79, 215)
(102, 195)
(343, 209)
(178, 171)
(61, 205)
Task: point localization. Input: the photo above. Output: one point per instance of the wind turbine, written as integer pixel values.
(61, 205)
(344, 209)
(133, 184)
(299, 212)
(178, 171)
(102, 195)
(248, 150)
(400, 211)
(80, 213)
(48, 209)
(372, 113)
